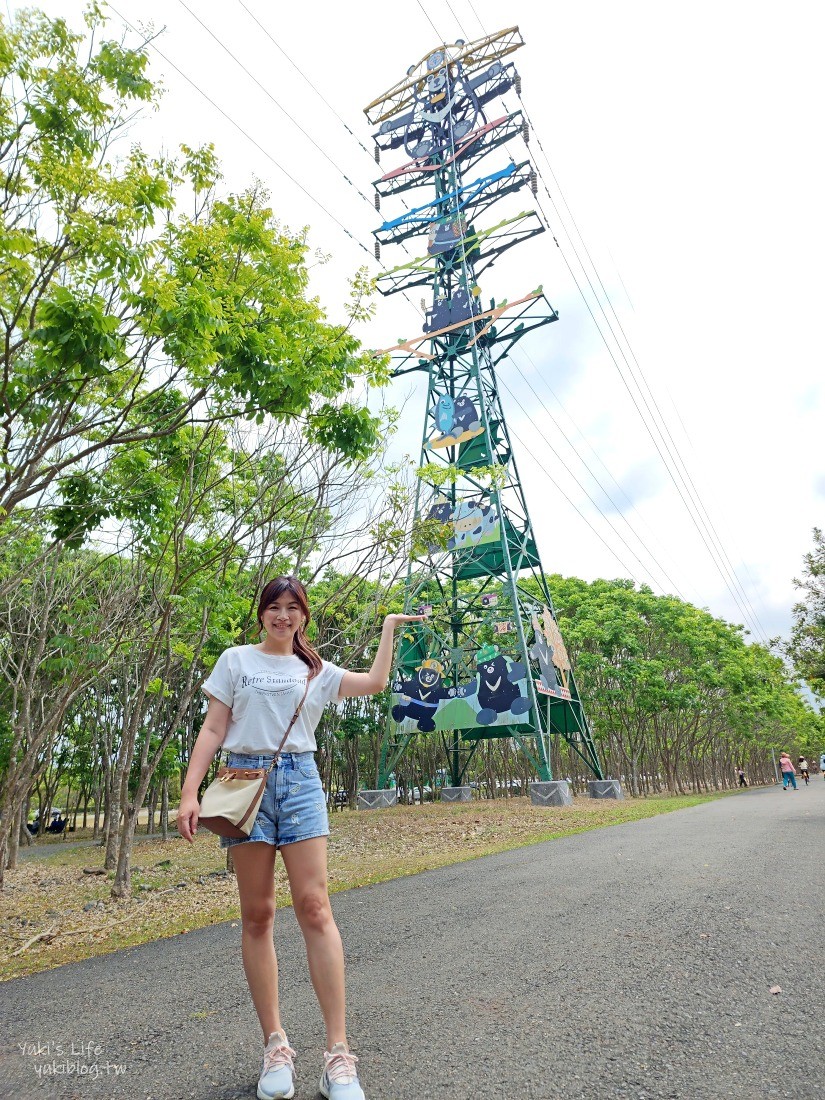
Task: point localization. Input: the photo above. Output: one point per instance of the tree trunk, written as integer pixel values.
(152, 805)
(122, 886)
(14, 836)
(164, 808)
(634, 774)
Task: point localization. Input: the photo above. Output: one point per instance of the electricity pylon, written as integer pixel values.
(490, 660)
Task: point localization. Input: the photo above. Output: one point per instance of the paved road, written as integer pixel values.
(631, 962)
(54, 848)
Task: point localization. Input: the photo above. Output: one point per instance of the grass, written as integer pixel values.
(177, 887)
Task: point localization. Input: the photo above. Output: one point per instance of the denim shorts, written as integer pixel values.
(293, 807)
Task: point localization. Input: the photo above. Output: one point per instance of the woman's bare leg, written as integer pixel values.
(255, 870)
(306, 865)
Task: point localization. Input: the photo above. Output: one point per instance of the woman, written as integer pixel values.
(787, 769)
(803, 769)
(253, 692)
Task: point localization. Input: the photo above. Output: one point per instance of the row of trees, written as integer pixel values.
(676, 697)
(178, 417)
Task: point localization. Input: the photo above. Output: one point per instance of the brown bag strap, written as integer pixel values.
(292, 722)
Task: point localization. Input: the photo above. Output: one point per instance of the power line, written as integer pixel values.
(434, 27)
(543, 381)
(665, 463)
(723, 566)
(753, 620)
(274, 100)
(257, 145)
(478, 17)
(304, 77)
(692, 490)
(245, 133)
(326, 103)
(695, 494)
(624, 542)
(575, 508)
(458, 22)
(658, 564)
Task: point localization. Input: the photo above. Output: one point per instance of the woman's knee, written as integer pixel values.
(313, 911)
(257, 919)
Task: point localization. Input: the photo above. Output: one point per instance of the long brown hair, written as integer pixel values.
(272, 590)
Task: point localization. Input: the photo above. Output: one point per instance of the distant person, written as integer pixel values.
(740, 772)
(788, 772)
(822, 764)
(804, 769)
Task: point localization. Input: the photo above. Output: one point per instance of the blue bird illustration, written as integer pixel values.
(445, 413)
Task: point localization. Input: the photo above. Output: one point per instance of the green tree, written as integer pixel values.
(122, 318)
(807, 645)
(672, 691)
(165, 375)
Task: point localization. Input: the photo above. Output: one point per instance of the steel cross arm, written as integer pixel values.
(479, 144)
(462, 195)
(425, 275)
(415, 126)
(422, 269)
(472, 55)
(483, 193)
(503, 342)
(490, 316)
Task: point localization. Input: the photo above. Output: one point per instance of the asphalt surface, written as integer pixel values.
(634, 961)
(45, 851)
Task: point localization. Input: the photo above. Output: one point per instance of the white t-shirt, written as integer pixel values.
(263, 691)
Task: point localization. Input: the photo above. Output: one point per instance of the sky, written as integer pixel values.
(683, 163)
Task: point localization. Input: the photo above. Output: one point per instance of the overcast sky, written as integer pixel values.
(686, 141)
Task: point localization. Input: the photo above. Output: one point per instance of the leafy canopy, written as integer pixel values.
(125, 318)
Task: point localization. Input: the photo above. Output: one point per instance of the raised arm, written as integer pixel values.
(370, 683)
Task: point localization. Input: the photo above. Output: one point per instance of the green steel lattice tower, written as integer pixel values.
(490, 660)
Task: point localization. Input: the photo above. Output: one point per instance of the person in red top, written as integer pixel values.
(788, 772)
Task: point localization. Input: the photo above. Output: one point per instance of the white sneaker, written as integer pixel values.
(339, 1081)
(278, 1072)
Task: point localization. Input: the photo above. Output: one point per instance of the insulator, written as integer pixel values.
(378, 250)
(377, 201)
(518, 83)
(377, 153)
(525, 131)
(534, 181)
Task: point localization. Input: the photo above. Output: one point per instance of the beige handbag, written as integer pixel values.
(230, 803)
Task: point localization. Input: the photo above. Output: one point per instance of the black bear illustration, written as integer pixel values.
(465, 416)
(420, 696)
(496, 686)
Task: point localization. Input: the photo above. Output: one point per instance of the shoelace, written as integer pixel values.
(277, 1056)
(341, 1066)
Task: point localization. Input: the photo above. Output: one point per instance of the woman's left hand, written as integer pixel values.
(394, 621)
